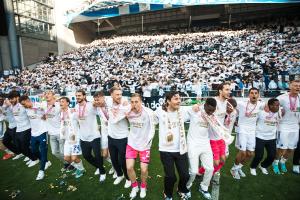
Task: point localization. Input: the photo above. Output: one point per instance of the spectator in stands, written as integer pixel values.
(273, 85)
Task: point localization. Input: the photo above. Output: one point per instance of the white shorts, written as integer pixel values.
(72, 149)
(245, 142)
(104, 142)
(287, 140)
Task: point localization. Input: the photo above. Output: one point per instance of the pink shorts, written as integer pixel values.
(131, 153)
(218, 148)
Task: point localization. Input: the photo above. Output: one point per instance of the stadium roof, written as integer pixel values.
(101, 9)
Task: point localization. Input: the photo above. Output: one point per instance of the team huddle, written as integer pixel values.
(119, 132)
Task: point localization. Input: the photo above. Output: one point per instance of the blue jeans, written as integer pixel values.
(39, 148)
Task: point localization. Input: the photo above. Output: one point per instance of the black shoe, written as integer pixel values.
(167, 198)
(66, 165)
(70, 168)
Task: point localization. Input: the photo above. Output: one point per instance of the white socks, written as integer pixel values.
(237, 167)
(79, 165)
(240, 166)
(276, 162)
(283, 160)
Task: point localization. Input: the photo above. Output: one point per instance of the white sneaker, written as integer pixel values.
(32, 163)
(17, 156)
(143, 193)
(253, 172)
(26, 159)
(127, 184)
(118, 180)
(102, 178)
(40, 175)
(205, 194)
(47, 165)
(28, 162)
(296, 169)
(111, 171)
(241, 173)
(115, 175)
(188, 195)
(134, 192)
(235, 174)
(263, 170)
(97, 172)
(189, 186)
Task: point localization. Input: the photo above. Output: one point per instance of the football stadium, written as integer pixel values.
(150, 99)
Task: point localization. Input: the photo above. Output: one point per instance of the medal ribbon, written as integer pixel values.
(249, 113)
(64, 115)
(104, 111)
(293, 103)
(81, 111)
(270, 115)
(227, 120)
(135, 115)
(49, 109)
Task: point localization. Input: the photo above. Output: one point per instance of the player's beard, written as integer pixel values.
(117, 100)
(137, 110)
(80, 100)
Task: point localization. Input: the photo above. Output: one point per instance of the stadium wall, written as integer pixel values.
(75, 36)
(5, 54)
(34, 50)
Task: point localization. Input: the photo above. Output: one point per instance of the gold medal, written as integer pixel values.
(72, 138)
(170, 137)
(32, 117)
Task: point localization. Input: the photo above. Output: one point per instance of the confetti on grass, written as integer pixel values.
(72, 188)
(61, 183)
(121, 197)
(14, 193)
(64, 176)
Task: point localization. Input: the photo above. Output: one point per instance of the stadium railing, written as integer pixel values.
(187, 94)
